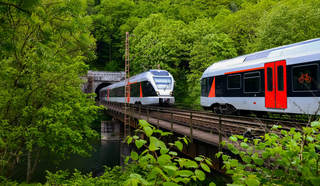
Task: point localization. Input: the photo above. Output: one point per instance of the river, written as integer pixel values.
(107, 153)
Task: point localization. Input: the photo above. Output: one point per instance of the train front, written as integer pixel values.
(164, 84)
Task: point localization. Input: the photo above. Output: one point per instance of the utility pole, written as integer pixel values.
(127, 90)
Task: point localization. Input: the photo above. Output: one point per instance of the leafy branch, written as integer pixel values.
(161, 164)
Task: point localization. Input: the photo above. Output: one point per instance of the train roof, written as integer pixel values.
(303, 48)
(144, 76)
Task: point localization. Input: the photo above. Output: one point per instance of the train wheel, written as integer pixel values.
(230, 109)
(216, 109)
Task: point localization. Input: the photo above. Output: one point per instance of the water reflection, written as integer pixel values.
(107, 153)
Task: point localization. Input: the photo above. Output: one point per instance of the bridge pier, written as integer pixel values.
(111, 130)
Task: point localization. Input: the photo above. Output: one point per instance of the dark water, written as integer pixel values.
(107, 153)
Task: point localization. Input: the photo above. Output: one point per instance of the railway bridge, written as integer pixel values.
(205, 130)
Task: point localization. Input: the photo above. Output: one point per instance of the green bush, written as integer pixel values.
(278, 158)
(160, 164)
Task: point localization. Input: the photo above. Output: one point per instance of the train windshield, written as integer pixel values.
(163, 82)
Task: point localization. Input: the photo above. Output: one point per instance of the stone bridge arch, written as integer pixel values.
(96, 80)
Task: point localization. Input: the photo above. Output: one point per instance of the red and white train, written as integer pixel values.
(153, 87)
(279, 80)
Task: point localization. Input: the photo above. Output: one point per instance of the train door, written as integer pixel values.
(275, 84)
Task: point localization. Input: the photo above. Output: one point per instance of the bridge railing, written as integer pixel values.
(174, 115)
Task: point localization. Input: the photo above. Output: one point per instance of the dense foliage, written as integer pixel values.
(43, 111)
(160, 164)
(278, 158)
(46, 45)
(187, 36)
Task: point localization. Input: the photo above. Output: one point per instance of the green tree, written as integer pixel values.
(43, 111)
(211, 48)
(241, 25)
(109, 16)
(288, 22)
(159, 41)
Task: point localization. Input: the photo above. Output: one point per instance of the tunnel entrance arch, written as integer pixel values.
(99, 87)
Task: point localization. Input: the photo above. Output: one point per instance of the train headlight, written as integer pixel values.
(171, 93)
(157, 93)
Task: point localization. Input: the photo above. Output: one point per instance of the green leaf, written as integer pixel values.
(315, 180)
(315, 124)
(173, 153)
(249, 150)
(135, 137)
(184, 173)
(225, 157)
(258, 161)
(138, 143)
(164, 151)
(174, 168)
(252, 182)
(262, 145)
(234, 163)
(138, 176)
(158, 131)
(234, 150)
(162, 144)
(185, 141)
(190, 164)
(208, 161)
(155, 141)
(134, 155)
(223, 143)
(246, 159)
(148, 131)
(233, 138)
(279, 173)
(230, 146)
(143, 123)
(309, 138)
(265, 154)
(230, 172)
(212, 184)
(166, 134)
(145, 151)
(179, 145)
(129, 140)
(152, 147)
(205, 167)
(126, 160)
(170, 184)
(200, 174)
(164, 159)
(198, 159)
(244, 145)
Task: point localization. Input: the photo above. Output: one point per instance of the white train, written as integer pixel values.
(153, 87)
(279, 80)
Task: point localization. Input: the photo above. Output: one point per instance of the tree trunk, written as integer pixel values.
(30, 168)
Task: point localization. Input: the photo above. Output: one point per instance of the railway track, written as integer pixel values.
(214, 123)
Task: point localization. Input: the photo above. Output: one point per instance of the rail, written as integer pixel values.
(221, 124)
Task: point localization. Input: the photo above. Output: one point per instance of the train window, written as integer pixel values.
(280, 78)
(234, 81)
(163, 82)
(305, 78)
(204, 87)
(269, 78)
(147, 89)
(251, 57)
(252, 82)
(159, 73)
